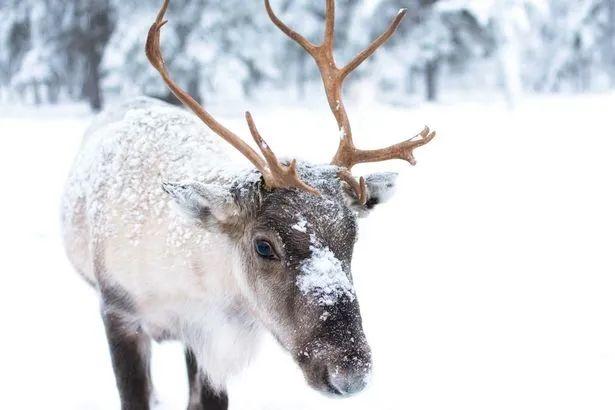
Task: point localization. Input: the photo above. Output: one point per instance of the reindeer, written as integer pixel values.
(182, 243)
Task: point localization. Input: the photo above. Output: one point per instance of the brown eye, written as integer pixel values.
(264, 249)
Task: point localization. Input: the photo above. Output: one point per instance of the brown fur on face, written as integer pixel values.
(304, 294)
(326, 340)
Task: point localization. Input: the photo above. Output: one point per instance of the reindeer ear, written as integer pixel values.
(380, 188)
(203, 202)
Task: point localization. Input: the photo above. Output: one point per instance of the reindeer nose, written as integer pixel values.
(348, 381)
(350, 375)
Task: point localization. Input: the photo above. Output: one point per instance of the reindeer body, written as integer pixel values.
(184, 244)
(124, 235)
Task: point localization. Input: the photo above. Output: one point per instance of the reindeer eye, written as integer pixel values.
(264, 249)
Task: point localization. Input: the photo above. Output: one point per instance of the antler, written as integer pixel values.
(333, 77)
(275, 174)
(359, 188)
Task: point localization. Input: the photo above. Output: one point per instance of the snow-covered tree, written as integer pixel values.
(432, 38)
(55, 45)
(54, 50)
(577, 46)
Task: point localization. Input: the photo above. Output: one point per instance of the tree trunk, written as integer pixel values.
(431, 79)
(410, 80)
(92, 44)
(36, 93)
(194, 87)
(53, 92)
(611, 40)
(301, 73)
(91, 87)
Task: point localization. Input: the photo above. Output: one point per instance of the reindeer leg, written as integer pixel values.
(202, 396)
(130, 354)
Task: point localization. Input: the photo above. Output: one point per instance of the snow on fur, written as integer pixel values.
(300, 226)
(128, 154)
(323, 277)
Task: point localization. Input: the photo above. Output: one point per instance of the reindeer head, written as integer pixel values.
(295, 225)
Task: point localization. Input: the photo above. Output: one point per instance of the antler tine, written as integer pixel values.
(302, 41)
(404, 150)
(359, 188)
(274, 174)
(330, 25)
(283, 175)
(375, 45)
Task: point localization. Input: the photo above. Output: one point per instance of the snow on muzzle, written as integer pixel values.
(335, 356)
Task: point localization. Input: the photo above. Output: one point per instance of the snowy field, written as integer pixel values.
(487, 283)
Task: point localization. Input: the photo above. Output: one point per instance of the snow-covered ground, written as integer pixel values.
(488, 283)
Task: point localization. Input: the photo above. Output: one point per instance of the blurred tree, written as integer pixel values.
(610, 40)
(17, 38)
(504, 27)
(576, 46)
(55, 44)
(437, 34)
(87, 34)
(53, 50)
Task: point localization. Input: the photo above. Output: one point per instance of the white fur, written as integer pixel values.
(120, 228)
(381, 185)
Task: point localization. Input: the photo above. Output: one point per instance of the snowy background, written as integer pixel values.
(487, 283)
(92, 50)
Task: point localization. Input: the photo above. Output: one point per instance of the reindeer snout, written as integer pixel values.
(339, 372)
(349, 380)
(336, 358)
